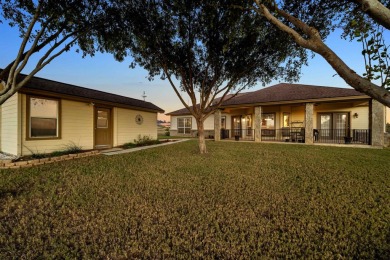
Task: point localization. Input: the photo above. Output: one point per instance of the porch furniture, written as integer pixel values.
(286, 134)
(315, 134)
(298, 134)
(225, 133)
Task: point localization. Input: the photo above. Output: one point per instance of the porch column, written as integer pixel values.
(309, 123)
(217, 125)
(258, 124)
(377, 123)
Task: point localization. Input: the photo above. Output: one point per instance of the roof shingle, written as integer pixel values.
(284, 92)
(67, 89)
(291, 92)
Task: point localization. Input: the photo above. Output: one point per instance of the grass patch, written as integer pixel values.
(242, 200)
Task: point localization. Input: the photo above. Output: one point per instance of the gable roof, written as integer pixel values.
(59, 88)
(185, 111)
(285, 92)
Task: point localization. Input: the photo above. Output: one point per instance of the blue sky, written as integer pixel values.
(102, 72)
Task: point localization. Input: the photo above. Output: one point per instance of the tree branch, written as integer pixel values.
(316, 44)
(377, 11)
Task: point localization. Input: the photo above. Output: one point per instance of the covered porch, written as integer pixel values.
(342, 122)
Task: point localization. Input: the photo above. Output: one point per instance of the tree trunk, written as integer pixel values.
(201, 138)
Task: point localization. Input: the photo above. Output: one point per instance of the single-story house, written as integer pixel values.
(46, 116)
(292, 113)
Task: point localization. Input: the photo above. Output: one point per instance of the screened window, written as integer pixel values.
(268, 121)
(184, 125)
(43, 117)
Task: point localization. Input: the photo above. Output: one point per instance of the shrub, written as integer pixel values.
(72, 148)
(129, 145)
(35, 154)
(387, 128)
(141, 141)
(68, 149)
(167, 133)
(145, 140)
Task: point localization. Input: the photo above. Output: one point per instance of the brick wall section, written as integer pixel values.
(377, 123)
(4, 164)
(309, 113)
(258, 113)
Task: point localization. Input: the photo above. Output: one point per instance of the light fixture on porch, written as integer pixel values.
(356, 115)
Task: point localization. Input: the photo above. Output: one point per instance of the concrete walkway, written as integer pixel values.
(115, 151)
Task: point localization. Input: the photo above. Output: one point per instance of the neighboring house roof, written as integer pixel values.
(185, 111)
(284, 92)
(40, 84)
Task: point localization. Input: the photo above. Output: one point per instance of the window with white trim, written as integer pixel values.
(184, 125)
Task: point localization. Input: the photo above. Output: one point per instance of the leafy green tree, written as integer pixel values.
(309, 22)
(48, 29)
(205, 49)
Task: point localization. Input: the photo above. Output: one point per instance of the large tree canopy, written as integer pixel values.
(204, 48)
(309, 22)
(47, 29)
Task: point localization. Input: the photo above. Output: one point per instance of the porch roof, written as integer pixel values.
(285, 92)
(290, 92)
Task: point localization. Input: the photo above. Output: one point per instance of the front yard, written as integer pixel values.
(243, 200)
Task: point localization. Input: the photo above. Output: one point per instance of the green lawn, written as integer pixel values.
(242, 200)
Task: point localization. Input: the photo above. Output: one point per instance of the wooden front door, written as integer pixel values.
(103, 128)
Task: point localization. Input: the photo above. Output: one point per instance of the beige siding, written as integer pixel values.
(10, 126)
(208, 123)
(126, 129)
(297, 116)
(76, 127)
(387, 115)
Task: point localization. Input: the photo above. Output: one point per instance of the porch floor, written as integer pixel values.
(299, 143)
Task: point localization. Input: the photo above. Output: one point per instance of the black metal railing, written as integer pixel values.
(238, 134)
(361, 136)
(294, 134)
(225, 133)
(331, 136)
(341, 136)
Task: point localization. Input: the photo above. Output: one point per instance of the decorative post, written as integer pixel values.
(309, 110)
(377, 123)
(217, 125)
(258, 124)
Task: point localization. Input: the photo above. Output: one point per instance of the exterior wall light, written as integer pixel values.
(356, 115)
